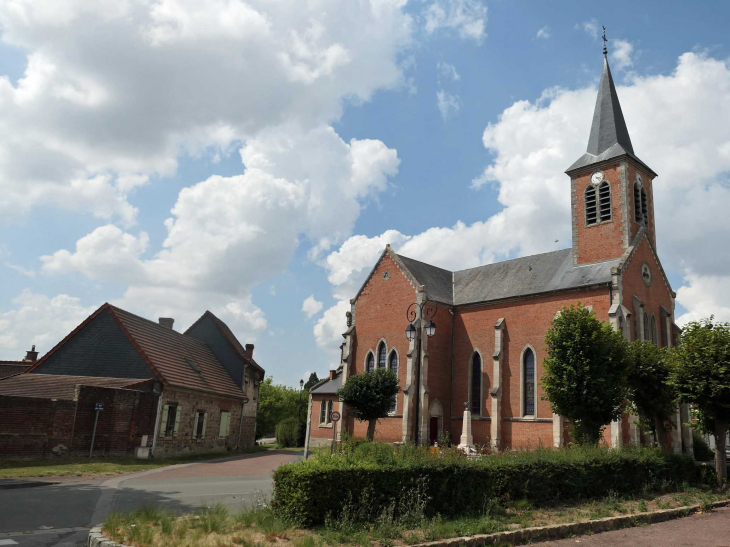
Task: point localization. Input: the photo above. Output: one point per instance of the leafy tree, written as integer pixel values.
(701, 376)
(650, 390)
(277, 402)
(370, 396)
(311, 382)
(584, 373)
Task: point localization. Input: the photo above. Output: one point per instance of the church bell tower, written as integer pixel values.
(611, 188)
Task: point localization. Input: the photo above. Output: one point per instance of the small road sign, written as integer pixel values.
(99, 406)
(245, 400)
(335, 416)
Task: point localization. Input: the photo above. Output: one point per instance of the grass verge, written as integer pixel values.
(217, 527)
(83, 467)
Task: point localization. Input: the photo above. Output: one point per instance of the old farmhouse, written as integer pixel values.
(168, 391)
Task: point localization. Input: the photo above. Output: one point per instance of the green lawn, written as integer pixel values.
(83, 467)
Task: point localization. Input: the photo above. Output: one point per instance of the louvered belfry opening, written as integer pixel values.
(637, 203)
(591, 209)
(604, 198)
(644, 207)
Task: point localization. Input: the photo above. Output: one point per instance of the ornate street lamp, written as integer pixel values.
(416, 313)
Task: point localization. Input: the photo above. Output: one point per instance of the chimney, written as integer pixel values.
(31, 355)
(333, 373)
(249, 351)
(166, 322)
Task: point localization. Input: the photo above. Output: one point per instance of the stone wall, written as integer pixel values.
(189, 403)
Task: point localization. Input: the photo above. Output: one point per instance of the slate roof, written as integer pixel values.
(232, 340)
(609, 137)
(526, 276)
(55, 386)
(167, 352)
(328, 386)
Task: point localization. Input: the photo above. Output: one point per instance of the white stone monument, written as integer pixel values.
(466, 441)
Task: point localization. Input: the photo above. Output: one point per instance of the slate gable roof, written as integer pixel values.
(56, 386)
(519, 277)
(168, 354)
(328, 386)
(232, 340)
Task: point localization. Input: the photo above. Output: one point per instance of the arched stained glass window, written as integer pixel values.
(393, 366)
(476, 384)
(647, 332)
(654, 333)
(369, 363)
(528, 382)
(381, 355)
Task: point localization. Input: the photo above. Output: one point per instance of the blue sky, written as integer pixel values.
(343, 135)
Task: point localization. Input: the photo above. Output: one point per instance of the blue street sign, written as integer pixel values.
(99, 406)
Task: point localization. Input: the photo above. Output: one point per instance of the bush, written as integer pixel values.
(703, 453)
(289, 433)
(455, 486)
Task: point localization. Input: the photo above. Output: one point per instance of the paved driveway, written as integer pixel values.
(59, 515)
(704, 530)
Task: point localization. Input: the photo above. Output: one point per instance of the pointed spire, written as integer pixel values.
(609, 137)
(609, 127)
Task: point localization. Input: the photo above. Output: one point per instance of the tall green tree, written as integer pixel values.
(584, 372)
(701, 376)
(370, 396)
(312, 381)
(650, 390)
(277, 402)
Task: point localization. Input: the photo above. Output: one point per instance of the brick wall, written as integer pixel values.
(189, 402)
(316, 429)
(32, 427)
(381, 315)
(127, 415)
(526, 324)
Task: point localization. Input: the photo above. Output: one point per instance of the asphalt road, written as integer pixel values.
(60, 515)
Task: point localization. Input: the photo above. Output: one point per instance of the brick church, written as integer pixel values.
(490, 322)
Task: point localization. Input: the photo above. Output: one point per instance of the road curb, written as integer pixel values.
(13, 484)
(562, 531)
(97, 539)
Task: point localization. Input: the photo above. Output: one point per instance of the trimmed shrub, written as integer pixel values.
(309, 492)
(289, 433)
(703, 453)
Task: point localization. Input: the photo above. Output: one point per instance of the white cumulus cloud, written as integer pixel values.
(621, 53)
(466, 17)
(311, 306)
(448, 104)
(544, 33)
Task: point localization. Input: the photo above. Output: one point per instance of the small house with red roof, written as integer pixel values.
(202, 384)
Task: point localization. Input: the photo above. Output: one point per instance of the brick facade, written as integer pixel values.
(32, 427)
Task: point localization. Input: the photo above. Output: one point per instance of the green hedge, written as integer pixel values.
(307, 492)
(289, 433)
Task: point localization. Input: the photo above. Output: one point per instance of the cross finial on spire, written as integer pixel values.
(605, 40)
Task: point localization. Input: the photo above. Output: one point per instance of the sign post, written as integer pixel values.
(98, 407)
(335, 418)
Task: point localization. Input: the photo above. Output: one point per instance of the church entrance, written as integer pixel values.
(434, 429)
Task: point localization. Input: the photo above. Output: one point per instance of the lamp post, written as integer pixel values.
(301, 386)
(416, 313)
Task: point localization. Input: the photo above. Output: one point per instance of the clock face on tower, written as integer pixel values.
(638, 178)
(597, 177)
